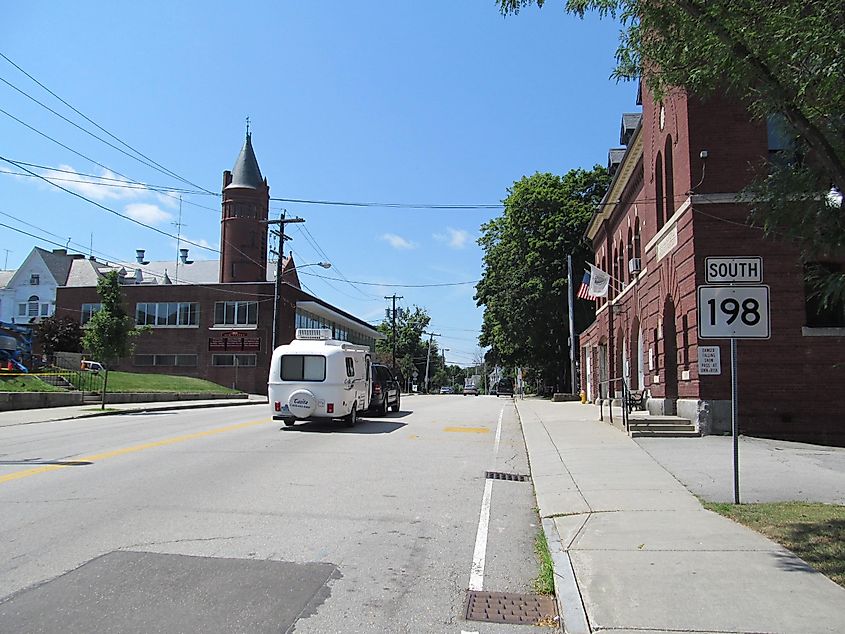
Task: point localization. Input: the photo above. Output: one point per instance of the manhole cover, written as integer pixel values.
(513, 477)
(507, 607)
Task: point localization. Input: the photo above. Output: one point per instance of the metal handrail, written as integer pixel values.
(626, 391)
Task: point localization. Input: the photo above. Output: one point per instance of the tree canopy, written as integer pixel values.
(109, 333)
(783, 58)
(524, 283)
(60, 334)
(411, 344)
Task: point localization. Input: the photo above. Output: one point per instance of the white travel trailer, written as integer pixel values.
(316, 377)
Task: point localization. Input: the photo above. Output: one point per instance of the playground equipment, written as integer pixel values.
(15, 346)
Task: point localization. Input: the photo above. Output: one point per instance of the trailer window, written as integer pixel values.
(350, 366)
(303, 367)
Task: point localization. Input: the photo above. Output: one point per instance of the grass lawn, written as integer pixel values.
(815, 532)
(23, 383)
(131, 382)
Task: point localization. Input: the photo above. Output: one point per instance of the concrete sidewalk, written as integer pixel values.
(634, 550)
(45, 415)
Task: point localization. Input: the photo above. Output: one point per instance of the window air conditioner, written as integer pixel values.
(634, 266)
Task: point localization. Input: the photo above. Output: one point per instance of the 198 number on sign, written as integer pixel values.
(733, 312)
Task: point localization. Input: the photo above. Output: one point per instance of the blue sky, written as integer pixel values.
(437, 102)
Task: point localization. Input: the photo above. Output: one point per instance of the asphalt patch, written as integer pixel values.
(137, 592)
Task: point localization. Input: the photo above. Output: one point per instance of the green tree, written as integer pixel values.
(60, 334)
(524, 283)
(411, 344)
(782, 58)
(109, 334)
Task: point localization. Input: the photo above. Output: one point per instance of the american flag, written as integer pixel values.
(584, 291)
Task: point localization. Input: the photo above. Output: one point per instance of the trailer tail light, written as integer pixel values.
(277, 406)
(329, 408)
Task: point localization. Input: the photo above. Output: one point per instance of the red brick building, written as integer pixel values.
(213, 319)
(673, 202)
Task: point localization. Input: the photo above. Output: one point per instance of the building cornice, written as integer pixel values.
(617, 186)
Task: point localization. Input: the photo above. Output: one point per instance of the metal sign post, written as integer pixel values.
(735, 417)
(738, 311)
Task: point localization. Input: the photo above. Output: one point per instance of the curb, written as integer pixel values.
(573, 617)
(175, 405)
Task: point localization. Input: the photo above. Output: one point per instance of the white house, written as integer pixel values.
(29, 294)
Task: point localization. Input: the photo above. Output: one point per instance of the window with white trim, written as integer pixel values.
(87, 312)
(230, 360)
(235, 313)
(168, 314)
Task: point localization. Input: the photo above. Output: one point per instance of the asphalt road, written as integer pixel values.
(217, 520)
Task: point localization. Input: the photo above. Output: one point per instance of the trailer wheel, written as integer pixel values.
(352, 417)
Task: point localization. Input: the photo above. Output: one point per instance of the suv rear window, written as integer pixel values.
(303, 367)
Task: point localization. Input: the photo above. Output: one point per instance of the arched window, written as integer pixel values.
(614, 273)
(637, 248)
(604, 268)
(32, 306)
(630, 252)
(671, 205)
(621, 265)
(658, 190)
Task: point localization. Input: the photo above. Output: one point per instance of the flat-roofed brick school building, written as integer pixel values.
(672, 203)
(213, 319)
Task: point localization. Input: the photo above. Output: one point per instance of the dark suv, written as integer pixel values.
(385, 391)
(504, 387)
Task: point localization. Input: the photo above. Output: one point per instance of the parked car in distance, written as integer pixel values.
(504, 387)
(470, 390)
(386, 392)
(446, 390)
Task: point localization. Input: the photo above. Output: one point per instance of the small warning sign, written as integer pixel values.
(709, 360)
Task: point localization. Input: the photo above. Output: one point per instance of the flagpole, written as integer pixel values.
(572, 344)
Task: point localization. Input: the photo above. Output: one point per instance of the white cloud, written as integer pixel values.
(455, 238)
(147, 213)
(398, 242)
(195, 252)
(94, 188)
(168, 200)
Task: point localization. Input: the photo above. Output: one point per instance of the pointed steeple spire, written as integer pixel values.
(246, 173)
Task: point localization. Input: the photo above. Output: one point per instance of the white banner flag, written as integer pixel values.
(599, 282)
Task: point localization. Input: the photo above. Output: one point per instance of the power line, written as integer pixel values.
(336, 279)
(313, 241)
(119, 181)
(99, 127)
(125, 217)
(108, 209)
(111, 261)
(388, 205)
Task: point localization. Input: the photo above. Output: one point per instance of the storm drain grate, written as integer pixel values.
(512, 477)
(507, 607)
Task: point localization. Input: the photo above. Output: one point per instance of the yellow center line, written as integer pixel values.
(468, 430)
(17, 475)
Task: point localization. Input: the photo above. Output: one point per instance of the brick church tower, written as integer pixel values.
(243, 231)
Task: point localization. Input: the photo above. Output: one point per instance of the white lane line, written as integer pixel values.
(498, 433)
(476, 577)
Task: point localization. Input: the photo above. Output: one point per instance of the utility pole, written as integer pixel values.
(431, 335)
(282, 221)
(574, 384)
(394, 297)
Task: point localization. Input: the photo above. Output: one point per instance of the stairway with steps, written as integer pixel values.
(57, 381)
(644, 425)
(90, 398)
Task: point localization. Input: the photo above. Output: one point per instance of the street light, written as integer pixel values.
(279, 280)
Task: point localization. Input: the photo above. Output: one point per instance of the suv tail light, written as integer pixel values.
(277, 406)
